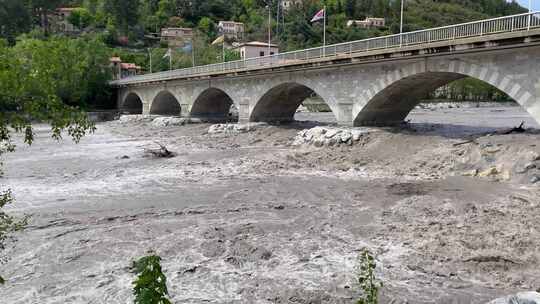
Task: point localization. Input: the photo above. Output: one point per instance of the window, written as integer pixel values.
(271, 53)
(261, 54)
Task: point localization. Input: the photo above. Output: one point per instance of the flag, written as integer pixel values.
(219, 40)
(168, 54)
(319, 16)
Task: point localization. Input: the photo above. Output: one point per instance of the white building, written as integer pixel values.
(367, 23)
(256, 49)
(231, 29)
(288, 4)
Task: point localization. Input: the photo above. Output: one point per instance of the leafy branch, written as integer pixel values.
(366, 278)
(150, 287)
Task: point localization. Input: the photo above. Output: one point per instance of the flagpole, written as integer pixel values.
(324, 32)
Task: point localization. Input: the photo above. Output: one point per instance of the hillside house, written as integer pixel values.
(123, 69)
(176, 36)
(59, 20)
(231, 29)
(256, 49)
(367, 23)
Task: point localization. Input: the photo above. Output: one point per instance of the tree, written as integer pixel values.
(350, 8)
(80, 18)
(14, 19)
(124, 12)
(76, 69)
(207, 27)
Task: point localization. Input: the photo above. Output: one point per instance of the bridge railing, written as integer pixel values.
(514, 23)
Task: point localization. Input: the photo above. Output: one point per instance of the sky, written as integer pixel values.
(535, 4)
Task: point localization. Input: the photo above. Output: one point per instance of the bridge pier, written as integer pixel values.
(344, 113)
(244, 111)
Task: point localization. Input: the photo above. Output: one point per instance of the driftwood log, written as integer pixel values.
(162, 152)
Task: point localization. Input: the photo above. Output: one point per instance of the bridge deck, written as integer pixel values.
(446, 38)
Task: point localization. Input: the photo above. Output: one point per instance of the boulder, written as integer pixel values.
(329, 136)
(234, 128)
(132, 118)
(331, 133)
(169, 121)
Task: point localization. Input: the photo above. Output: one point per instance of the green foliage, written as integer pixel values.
(150, 287)
(207, 27)
(124, 12)
(14, 19)
(366, 278)
(470, 89)
(81, 18)
(8, 225)
(75, 71)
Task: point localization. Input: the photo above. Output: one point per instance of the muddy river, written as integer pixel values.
(449, 205)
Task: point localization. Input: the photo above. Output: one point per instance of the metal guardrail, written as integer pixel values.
(514, 23)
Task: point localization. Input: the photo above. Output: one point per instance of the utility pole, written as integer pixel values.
(401, 25)
(277, 17)
(150, 56)
(324, 32)
(269, 26)
(193, 50)
(193, 53)
(530, 16)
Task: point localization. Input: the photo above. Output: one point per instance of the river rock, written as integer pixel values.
(169, 121)
(133, 118)
(329, 136)
(521, 298)
(235, 128)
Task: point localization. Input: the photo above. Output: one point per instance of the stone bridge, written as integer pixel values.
(377, 86)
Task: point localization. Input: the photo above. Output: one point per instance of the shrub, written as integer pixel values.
(366, 278)
(150, 287)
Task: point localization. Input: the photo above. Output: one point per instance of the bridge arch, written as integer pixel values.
(390, 99)
(132, 104)
(212, 104)
(165, 103)
(279, 104)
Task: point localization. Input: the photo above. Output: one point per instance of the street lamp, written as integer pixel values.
(530, 15)
(150, 57)
(269, 26)
(401, 25)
